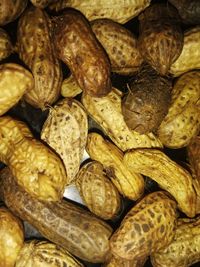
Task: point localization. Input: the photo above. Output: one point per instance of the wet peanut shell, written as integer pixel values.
(77, 46)
(6, 47)
(63, 223)
(146, 228)
(161, 38)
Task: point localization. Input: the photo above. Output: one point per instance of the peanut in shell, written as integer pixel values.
(6, 47)
(70, 88)
(42, 3)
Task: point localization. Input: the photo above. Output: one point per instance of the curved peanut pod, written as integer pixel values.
(37, 51)
(184, 250)
(6, 47)
(167, 173)
(182, 121)
(189, 57)
(107, 112)
(70, 88)
(128, 183)
(15, 81)
(146, 228)
(117, 10)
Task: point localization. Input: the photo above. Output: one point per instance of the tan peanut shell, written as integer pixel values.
(6, 47)
(70, 88)
(65, 130)
(15, 81)
(182, 121)
(41, 3)
(116, 262)
(161, 38)
(189, 57)
(117, 10)
(35, 167)
(37, 51)
(167, 173)
(98, 192)
(12, 237)
(11, 10)
(193, 155)
(107, 112)
(184, 250)
(128, 183)
(146, 228)
(61, 222)
(85, 57)
(120, 45)
(43, 253)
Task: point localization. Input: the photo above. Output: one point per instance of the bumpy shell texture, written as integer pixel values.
(70, 88)
(6, 47)
(146, 228)
(84, 56)
(193, 152)
(161, 37)
(147, 101)
(116, 262)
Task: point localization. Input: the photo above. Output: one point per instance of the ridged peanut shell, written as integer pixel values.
(37, 51)
(61, 222)
(189, 57)
(107, 112)
(184, 250)
(167, 173)
(6, 47)
(128, 183)
(98, 192)
(11, 10)
(146, 228)
(117, 10)
(116, 262)
(41, 3)
(161, 38)
(182, 121)
(70, 88)
(43, 253)
(77, 46)
(120, 45)
(12, 237)
(65, 130)
(15, 81)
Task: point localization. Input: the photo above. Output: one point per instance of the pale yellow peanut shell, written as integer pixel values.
(184, 250)
(45, 254)
(98, 192)
(182, 121)
(167, 173)
(107, 112)
(65, 130)
(15, 81)
(117, 10)
(128, 183)
(189, 57)
(6, 47)
(70, 88)
(146, 228)
(11, 238)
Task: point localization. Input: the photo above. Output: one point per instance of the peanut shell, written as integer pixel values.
(70, 88)
(6, 47)
(41, 3)
(193, 153)
(116, 262)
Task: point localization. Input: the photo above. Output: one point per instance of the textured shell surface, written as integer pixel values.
(70, 88)
(146, 228)
(117, 10)
(41, 3)
(37, 51)
(63, 223)
(97, 191)
(193, 153)
(6, 47)
(120, 45)
(65, 130)
(116, 262)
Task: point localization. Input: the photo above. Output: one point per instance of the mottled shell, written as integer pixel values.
(116, 262)
(161, 38)
(70, 88)
(98, 192)
(12, 237)
(182, 121)
(189, 11)
(65, 130)
(120, 45)
(117, 10)
(45, 254)
(147, 101)
(146, 228)
(167, 173)
(37, 51)
(85, 57)
(11, 10)
(184, 250)
(193, 153)
(6, 47)
(41, 3)
(107, 112)
(15, 81)
(189, 57)
(63, 223)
